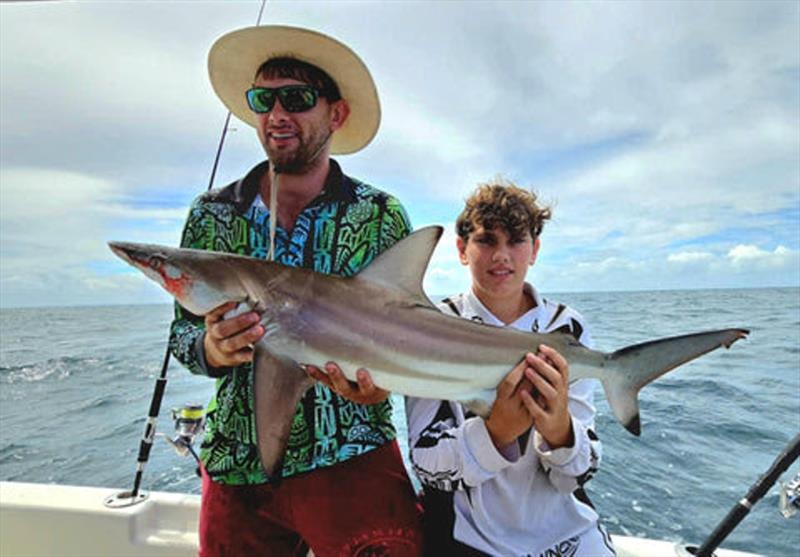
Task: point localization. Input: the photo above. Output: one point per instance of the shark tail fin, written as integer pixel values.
(637, 365)
(278, 385)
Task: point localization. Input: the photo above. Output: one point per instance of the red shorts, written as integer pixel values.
(364, 506)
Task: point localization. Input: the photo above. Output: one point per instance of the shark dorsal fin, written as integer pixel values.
(403, 265)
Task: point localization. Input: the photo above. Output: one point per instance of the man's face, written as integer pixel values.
(498, 263)
(295, 141)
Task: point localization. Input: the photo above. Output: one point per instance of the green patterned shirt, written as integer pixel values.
(340, 232)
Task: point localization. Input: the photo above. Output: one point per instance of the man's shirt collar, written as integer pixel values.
(337, 187)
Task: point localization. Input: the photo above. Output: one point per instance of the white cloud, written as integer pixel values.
(54, 226)
(611, 264)
(753, 255)
(690, 257)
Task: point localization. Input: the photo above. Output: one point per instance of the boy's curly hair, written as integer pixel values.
(501, 203)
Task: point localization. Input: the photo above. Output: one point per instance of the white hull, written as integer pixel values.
(57, 520)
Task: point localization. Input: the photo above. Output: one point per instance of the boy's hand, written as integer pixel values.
(549, 374)
(510, 416)
(362, 392)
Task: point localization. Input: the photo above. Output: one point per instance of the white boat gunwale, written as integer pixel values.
(73, 521)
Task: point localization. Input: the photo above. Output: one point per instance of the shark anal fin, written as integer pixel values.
(278, 385)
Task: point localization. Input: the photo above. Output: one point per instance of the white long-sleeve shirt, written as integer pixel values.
(520, 501)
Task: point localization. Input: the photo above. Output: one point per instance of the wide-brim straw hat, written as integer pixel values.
(236, 56)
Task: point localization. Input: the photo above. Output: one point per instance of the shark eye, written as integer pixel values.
(155, 262)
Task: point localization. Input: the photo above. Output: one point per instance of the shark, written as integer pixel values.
(382, 320)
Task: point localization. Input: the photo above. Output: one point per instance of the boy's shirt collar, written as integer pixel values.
(529, 321)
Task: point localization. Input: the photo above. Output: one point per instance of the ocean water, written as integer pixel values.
(76, 383)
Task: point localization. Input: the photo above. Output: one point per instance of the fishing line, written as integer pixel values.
(226, 125)
(273, 214)
(133, 496)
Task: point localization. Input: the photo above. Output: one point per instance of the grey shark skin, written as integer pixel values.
(381, 320)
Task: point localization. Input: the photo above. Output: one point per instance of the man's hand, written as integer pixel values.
(510, 416)
(549, 374)
(362, 392)
(229, 342)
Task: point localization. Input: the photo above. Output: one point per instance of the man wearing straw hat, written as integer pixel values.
(342, 488)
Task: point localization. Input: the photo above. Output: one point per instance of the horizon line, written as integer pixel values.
(435, 297)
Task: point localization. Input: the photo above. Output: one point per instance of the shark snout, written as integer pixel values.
(141, 256)
(120, 251)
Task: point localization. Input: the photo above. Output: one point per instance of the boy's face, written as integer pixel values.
(497, 262)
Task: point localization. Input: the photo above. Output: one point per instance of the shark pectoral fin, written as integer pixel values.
(479, 403)
(278, 385)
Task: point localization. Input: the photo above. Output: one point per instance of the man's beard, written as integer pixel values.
(302, 158)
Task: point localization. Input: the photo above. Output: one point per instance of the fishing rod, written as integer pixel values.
(188, 420)
(785, 459)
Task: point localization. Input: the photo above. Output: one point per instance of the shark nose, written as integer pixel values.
(118, 250)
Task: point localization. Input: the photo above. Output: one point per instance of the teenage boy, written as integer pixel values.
(342, 489)
(510, 484)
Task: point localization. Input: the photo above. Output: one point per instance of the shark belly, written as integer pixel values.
(408, 350)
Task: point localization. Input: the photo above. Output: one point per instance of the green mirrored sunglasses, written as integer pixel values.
(294, 98)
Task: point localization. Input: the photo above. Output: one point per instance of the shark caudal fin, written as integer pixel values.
(633, 367)
(278, 385)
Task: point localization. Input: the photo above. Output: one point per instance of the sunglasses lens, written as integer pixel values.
(261, 100)
(298, 99)
(294, 98)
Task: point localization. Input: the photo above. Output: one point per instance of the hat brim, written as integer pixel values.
(236, 56)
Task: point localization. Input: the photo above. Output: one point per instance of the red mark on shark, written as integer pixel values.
(175, 286)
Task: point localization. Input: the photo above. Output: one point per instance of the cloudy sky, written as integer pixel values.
(665, 134)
